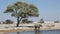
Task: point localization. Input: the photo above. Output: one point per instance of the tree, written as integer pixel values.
(41, 21)
(26, 21)
(22, 10)
(0, 22)
(56, 21)
(8, 21)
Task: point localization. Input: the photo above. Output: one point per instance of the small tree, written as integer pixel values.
(8, 22)
(41, 21)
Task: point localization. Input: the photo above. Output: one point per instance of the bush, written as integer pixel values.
(26, 21)
(9, 22)
(56, 21)
(41, 21)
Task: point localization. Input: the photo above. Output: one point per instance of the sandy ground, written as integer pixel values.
(5, 28)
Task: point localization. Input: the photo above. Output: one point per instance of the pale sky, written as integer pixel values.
(48, 9)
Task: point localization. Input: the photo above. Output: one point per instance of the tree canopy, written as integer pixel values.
(22, 9)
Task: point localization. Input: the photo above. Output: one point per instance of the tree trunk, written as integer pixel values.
(18, 21)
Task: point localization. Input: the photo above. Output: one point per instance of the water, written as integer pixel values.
(42, 32)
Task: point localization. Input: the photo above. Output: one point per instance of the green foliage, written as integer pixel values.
(56, 21)
(41, 21)
(26, 21)
(8, 21)
(22, 9)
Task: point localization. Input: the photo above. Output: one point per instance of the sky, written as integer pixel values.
(49, 10)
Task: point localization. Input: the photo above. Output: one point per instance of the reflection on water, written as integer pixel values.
(18, 32)
(37, 32)
(42, 32)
